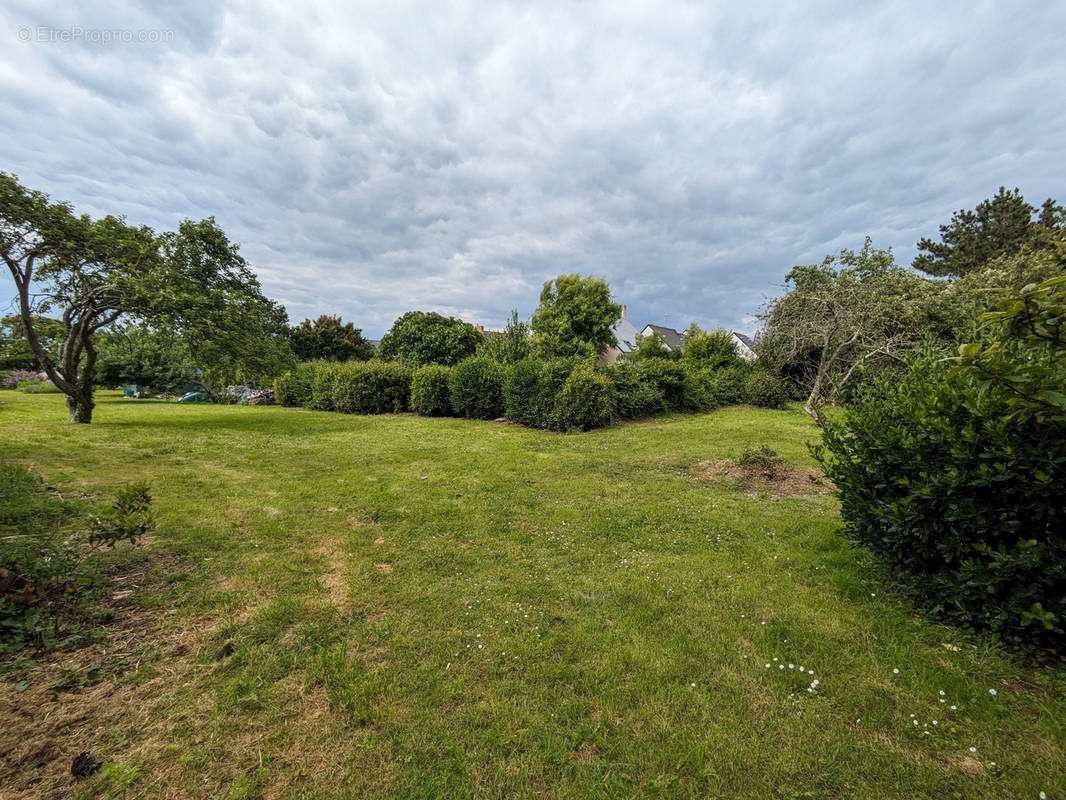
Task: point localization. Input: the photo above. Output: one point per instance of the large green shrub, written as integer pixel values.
(587, 400)
(520, 383)
(293, 389)
(322, 380)
(553, 374)
(954, 475)
(702, 388)
(371, 387)
(763, 389)
(476, 386)
(634, 398)
(430, 392)
(668, 377)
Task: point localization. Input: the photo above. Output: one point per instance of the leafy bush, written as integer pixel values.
(38, 387)
(520, 383)
(729, 382)
(553, 374)
(293, 389)
(668, 377)
(430, 392)
(322, 383)
(371, 387)
(476, 386)
(43, 567)
(763, 389)
(586, 400)
(953, 475)
(634, 398)
(702, 389)
(709, 349)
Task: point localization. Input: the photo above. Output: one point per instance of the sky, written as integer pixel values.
(372, 159)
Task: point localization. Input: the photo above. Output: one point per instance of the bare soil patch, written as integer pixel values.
(768, 474)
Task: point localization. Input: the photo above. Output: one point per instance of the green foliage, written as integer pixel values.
(520, 384)
(587, 400)
(369, 387)
(634, 397)
(1000, 226)
(128, 519)
(329, 339)
(652, 346)
(418, 338)
(324, 378)
(763, 389)
(668, 378)
(953, 475)
(476, 386)
(293, 388)
(702, 388)
(511, 346)
(575, 318)
(15, 351)
(139, 354)
(550, 381)
(709, 349)
(431, 391)
(43, 569)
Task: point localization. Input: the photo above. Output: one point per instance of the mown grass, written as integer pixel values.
(404, 607)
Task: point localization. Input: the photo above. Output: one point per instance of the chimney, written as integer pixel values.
(479, 327)
(624, 311)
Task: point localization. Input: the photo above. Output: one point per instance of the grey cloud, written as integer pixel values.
(372, 161)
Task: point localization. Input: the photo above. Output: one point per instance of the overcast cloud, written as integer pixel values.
(453, 157)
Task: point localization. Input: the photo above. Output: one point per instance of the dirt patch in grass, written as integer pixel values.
(761, 471)
(72, 701)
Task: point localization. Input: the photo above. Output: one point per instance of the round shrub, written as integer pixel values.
(957, 493)
(763, 389)
(430, 393)
(293, 389)
(476, 387)
(702, 390)
(520, 391)
(371, 387)
(586, 401)
(668, 377)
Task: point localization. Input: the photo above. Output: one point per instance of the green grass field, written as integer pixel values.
(401, 607)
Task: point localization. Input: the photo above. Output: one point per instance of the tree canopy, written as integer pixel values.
(851, 310)
(420, 337)
(15, 352)
(510, 346)
(714, 349)
(575, 317)
(329, 339)
(999, 226)
(93, 273)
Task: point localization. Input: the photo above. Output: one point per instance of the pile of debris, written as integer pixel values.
(247, 396)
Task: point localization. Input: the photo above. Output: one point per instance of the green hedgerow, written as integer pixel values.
(430, 391)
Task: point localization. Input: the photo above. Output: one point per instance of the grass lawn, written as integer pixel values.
(399, 607)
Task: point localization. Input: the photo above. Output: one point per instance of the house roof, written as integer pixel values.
(674, 339)
(745, 339)
(626, 335)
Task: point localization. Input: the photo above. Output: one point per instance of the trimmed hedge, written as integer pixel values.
(666, 376)
(293, 389)
(476, 387)
(430, 392)
(371, 387)
(553, 374)
(634, 398)
(325, 375)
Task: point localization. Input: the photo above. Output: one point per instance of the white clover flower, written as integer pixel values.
(993, 692)
(895, 671)
(942, 692)
(935, 722)
(768, 666)
(973, 749)
(954, 708)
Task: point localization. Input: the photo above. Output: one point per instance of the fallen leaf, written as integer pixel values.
(949, 646)
(380, 540)
(332, 508)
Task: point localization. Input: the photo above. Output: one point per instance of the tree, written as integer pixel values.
(420, 337)
(15, 352)
(853, 309)
(651, 346)
(709, 349)
(997, 227)
(139, 354)
(96, 272)
(575, 318)
(328, 339)
(510, 346)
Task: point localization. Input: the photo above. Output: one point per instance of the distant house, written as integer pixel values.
(626, 335)
(745, 346)
(674, 339)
